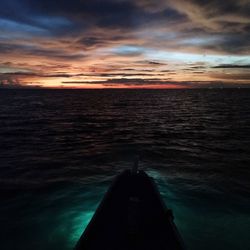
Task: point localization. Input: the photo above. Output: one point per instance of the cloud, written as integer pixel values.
(12, 83)
(232, 66)
(91, 40)
(232, 76)
(138, 82)
(213, 14)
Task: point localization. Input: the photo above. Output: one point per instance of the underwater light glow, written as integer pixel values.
(80, 223)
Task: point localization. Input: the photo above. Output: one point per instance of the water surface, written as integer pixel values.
(60, 150)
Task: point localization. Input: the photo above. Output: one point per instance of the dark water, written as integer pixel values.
(60, 149)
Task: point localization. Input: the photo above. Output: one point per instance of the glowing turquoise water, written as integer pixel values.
(56, 220)
(206, 221)
(50, 219)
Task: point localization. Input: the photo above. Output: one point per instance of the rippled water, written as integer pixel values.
(61, 148)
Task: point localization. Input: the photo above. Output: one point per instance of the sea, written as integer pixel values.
(60, 150)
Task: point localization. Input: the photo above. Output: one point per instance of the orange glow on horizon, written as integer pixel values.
(123, 86)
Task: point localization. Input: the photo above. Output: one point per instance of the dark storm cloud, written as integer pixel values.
(232, 66)
(12, 84)
(157, 82)
(145, 70)
(232, 76)
(91, 41)
(151, 63)
(234, 43)
(229, 20)
(123, 81)
(83, 18)
(17, 75)
(32, 50)
(83, 14)
(217, 11)
(156, 63)
(126, 74)
(31, 74)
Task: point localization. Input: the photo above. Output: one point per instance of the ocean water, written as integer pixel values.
(60, 149)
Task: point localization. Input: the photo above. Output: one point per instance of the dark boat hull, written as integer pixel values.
(132, 215)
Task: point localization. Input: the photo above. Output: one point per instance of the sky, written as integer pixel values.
(125, 43)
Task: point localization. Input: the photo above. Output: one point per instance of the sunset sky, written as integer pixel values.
(125, 43)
